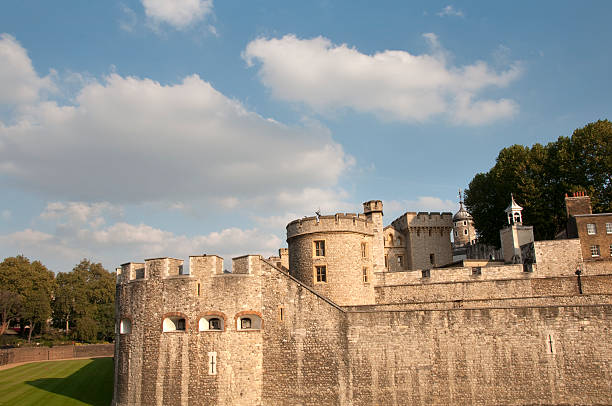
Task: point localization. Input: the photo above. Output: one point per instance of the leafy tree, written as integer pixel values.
(10, 308)
(34, 283)
(86, 298)
(539, 177)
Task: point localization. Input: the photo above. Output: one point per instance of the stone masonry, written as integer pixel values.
(279, 331)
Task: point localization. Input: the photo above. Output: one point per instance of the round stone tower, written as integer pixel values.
(464, 232)
(336, 255)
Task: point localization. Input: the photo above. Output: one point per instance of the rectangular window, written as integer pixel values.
(591, 229)
(198, 289)
(608, 228)
(364, 250)
(281, 313)
(476, 270)
(400, 261)
(321, 274)
(425, 273)
(594, 250)
(212, 363)
(319, 248)
(386, 262)
(366, 276)
(611, 250)
(432, 259)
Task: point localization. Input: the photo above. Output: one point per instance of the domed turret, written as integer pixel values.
(463, 226)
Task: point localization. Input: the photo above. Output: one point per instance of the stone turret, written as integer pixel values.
(336, 255)
(373, 211)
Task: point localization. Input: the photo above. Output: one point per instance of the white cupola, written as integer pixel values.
(513, 212)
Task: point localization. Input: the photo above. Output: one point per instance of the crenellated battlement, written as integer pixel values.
(340, 222)
(423, 220)
(200, 267)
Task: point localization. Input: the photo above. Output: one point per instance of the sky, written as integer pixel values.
(148, 128)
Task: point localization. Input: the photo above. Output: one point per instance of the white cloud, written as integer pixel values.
(177, 13)
(18, 80)
(394, 85)
(128, 139)
(450, 11)
(80, 212)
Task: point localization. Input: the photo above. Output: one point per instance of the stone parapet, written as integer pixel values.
(340, 222)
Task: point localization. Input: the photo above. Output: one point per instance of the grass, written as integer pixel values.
(65, 383)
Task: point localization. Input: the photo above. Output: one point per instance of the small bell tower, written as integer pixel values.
(513, 212)
(515, 234)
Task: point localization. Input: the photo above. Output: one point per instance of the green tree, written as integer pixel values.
(539, 177)
(86, 299)
(34, 283)
(10, 308)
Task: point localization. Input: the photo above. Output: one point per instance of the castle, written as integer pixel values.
(356, 313)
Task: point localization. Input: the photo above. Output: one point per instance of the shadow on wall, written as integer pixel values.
(91, 385)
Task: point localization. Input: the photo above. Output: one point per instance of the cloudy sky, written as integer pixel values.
(144, 128)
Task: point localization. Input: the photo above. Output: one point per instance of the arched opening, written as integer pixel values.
(248, 322)
(211, 323)
(125, 326)
(174, 323)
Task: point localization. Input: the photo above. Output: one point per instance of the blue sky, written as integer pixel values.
(149, 128)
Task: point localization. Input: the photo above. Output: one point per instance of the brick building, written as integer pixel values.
(330, 322)
(593, 230)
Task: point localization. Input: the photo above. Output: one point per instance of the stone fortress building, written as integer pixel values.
(355, 313)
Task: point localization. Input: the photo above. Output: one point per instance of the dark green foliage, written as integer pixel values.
(34, 284)
(539, 177)
(85, 300)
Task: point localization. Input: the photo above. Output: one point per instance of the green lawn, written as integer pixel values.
(75, 382)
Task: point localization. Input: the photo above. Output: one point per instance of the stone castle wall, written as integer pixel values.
(481, 356)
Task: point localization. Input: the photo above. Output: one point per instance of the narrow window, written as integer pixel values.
(212, 363)
(430, 232)
(320, 274)
(391, 240)
(180, 324)
(281, 313)
(550, 344)
(432, 259)
(364, 250)
(418, 232)
(464, 232)
(595, 250)
(400, 261)
(425, 273)
(198, 289)
(214, 324)
(180, 269)
(455, 233)
(464, 223)
(399, 241)
(125, 326)
(319, 248)
(608, 228)
(591, 229)
(386, 261)
(611, 250)
(365, 275)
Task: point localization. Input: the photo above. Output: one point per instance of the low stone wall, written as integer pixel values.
(29, 354)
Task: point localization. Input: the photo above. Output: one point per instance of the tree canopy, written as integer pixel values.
(85, 299)
(539, 177)
(29, 286)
